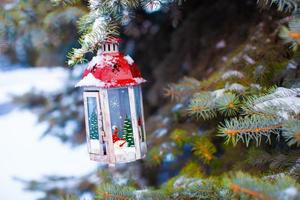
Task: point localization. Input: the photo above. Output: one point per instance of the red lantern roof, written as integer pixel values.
(111, 69)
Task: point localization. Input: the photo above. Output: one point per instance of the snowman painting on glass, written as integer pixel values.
(115, 129)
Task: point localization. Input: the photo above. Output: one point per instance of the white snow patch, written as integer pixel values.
(235, 87)
(218, 93)
(221, 44)
(232, 74)
(24, 155)
(177, 107)
(129, 59)
(139, 80)
(90, 80)
(101, 61)
(160, 132)
(290, 193)
(169, 157)
(256, 86)
(248, 59)
(184, 182)
(94, 61)
(285, 99)
(292, 65)
(20, 81)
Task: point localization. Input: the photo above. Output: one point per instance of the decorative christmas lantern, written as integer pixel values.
(113, 106)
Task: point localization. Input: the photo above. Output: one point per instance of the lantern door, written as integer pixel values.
(96, 141)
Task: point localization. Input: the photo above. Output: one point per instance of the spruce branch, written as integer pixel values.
(231, 74)
(204, 149)
(228, 104)
(291, 34)
(244, 186)
(192, 169)
(64, 2)
(155, 156)
(258, 195)
(291, 132)
(113, 191)
(103, 21)
(282, 5)
(281, 103)
(183, 89)
(179, 136)
(250, 128)
(202, 105)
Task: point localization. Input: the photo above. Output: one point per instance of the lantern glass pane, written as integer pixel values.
(119, 108)
(140, 118)
(92, 118)
(121, 124)
(92, 112)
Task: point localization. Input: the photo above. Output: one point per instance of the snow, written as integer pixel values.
(20, 81)
(289, 193)
(101, 61)
(248, 59)
(184, 182)
(285, 99)
(139, 80)
(232, 74)
(90, 80)
(125, 154)
(256, 86)
(94, 61)
(292, 65)
(129, 59)
(99, 23)
(235, 87)
(160, 132)
(221, 44)
(177, 107)
(218, 93)
(23, 153)
(169, 157)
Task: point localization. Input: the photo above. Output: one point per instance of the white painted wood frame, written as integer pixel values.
(107, 126)
(144, 146)
(133, 112)
(99, 155)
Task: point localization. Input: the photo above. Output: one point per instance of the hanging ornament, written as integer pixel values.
(113, 106)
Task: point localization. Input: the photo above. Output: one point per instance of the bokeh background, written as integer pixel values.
(42, 144)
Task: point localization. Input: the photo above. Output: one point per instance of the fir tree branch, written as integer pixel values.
(204, 148)
(238, 189)
(250, 128)
(291, 132)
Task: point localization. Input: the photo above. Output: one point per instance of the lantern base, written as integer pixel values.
(98, 158)
(127, 154)
(120, 157)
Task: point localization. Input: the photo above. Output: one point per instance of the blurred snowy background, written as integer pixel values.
(24, 154)
(42, 146)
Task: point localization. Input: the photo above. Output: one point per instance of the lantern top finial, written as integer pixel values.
(110, 68)
(111, 45)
